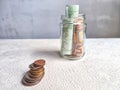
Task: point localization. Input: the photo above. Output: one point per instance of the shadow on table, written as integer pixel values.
(53, 54)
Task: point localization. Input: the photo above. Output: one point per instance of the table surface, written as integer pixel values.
(99, 69)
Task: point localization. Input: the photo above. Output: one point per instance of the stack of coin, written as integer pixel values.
(35, 74)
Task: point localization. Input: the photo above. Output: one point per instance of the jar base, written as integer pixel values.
(71, 57)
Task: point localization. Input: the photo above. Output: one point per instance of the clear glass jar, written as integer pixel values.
(72, 37)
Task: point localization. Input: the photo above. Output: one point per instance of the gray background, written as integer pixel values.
(41, 18)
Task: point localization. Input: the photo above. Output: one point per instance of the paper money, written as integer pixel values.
(67, 37)
(72, 11)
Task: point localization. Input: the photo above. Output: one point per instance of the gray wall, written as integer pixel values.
(41, 18)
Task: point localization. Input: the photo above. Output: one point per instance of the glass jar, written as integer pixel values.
(72, 37)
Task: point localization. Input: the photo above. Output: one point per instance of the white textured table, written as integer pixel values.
(98, 70)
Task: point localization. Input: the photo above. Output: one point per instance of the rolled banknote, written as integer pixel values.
(72, 11)
(67, 36)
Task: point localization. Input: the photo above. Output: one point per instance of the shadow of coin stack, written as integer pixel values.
(35, 74)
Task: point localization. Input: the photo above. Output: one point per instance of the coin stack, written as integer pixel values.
(35, 74)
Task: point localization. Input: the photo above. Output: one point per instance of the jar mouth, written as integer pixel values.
(73, 23)
(76, 20)
(79, 15)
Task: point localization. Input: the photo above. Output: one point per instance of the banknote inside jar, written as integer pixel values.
(78, 39)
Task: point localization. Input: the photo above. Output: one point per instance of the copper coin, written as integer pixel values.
(32, 67)
(37, 75)
(40, 62)
(27, 82)
(30, 79)
(36, 71)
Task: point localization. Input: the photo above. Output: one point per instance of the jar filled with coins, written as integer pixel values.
(72, 33)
